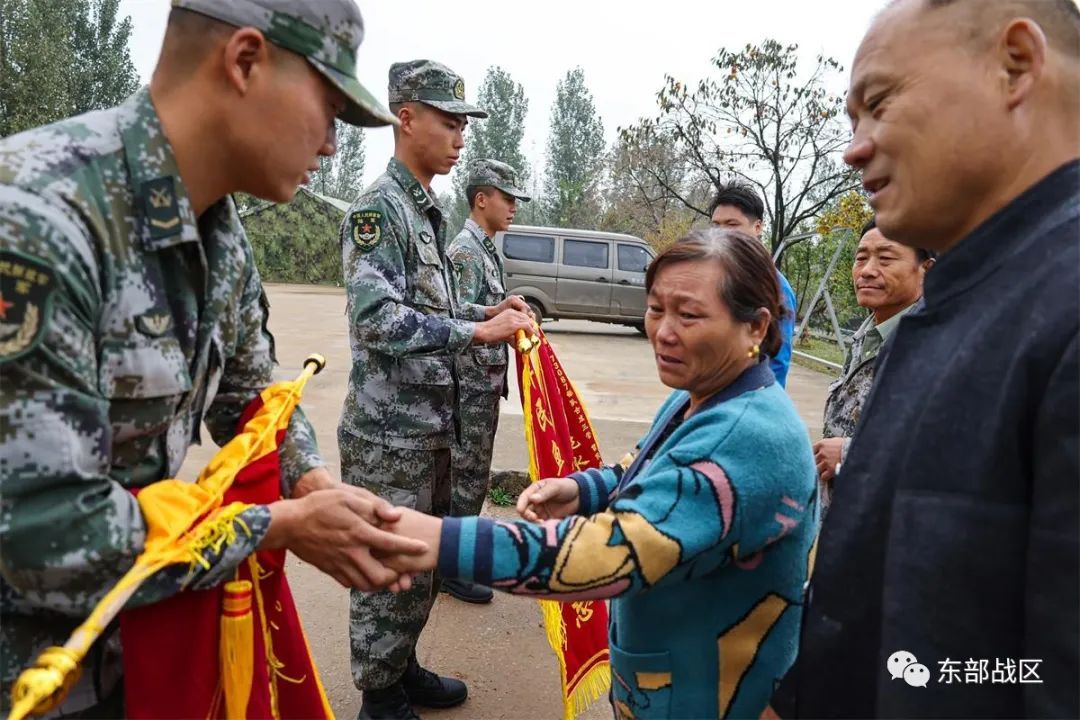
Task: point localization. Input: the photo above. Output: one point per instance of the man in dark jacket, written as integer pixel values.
(948, 572)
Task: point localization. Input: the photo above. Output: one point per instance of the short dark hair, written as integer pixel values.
(741, 196)
(921, 254)
(189, 38)
(749, 280)
(473, 190)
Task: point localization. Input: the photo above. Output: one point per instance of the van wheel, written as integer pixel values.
(640, 327)
(536, 310)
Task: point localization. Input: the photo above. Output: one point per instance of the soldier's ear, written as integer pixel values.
(245, 54)
(405, 115)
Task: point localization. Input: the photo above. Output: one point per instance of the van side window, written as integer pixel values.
(535, 248)
(583, 253)
(632, 258)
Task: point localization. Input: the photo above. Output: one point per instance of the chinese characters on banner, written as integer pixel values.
(561, 440)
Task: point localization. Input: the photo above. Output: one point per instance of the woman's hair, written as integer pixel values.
(748, 281)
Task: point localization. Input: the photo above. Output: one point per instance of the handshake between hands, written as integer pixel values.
(364, 542)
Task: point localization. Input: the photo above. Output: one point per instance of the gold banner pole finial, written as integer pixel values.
(524, 343)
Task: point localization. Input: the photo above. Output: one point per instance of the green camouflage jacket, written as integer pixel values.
(406, 326)
(848, 393)
(843, 405)
(124, 323)
(478, 271)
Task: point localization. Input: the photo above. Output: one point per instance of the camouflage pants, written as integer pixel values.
(471, 462)
(384, 626)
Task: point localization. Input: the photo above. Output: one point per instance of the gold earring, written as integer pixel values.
(754, 352)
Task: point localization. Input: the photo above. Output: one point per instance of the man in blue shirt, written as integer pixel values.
(739, 207)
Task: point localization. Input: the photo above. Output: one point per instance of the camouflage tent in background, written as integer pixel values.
(297, 242)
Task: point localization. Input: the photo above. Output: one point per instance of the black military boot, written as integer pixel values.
(430, 690)
(467, 591)
(387, 704)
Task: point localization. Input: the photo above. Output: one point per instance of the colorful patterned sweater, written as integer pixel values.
(703, 544)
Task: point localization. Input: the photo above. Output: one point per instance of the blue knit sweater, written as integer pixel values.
(703, 544)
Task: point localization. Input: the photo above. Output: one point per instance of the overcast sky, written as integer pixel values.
(625, 48)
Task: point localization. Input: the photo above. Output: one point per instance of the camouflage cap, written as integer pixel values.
(327, 33)
(433, 84)
(499, 175)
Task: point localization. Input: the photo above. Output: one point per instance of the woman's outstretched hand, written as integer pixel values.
(550, 499)
(417, 527)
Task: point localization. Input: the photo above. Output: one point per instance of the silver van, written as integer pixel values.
(579, 274)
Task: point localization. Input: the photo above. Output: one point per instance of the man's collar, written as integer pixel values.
(991, 244)
(475, 230)
(867, 326)
(162, 203)
(411, 185)
(481, 236)
(887, 327)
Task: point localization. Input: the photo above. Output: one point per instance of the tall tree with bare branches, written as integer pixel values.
(758, 118)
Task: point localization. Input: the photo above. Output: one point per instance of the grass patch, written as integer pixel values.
(819, 348)
(501, 497)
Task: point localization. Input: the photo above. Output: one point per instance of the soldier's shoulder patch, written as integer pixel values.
(366, 228)
(162, 211)
(27, 286)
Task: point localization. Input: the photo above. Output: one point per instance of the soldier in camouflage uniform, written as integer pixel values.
(407, 328)
(888, 280)
(131, 311)
(491, 189)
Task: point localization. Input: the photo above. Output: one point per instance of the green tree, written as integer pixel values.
(60, 58)
(341, 174)
(296, 242)
(763, 119)
(575, 156)
(498, 137)
(532, 212)
(805, 264)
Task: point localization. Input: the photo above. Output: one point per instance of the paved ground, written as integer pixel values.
(499, 649)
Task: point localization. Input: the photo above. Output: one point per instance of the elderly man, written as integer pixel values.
(948, 572)
(888, 279)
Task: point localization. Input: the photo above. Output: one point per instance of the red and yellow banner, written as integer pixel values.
(561, 440)
(234, 651)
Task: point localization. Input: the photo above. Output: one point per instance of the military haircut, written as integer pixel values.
(190, 37)
(473, 190)
(1058, 19)
(395, 108)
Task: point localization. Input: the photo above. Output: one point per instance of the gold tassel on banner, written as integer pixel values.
(237, 647)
